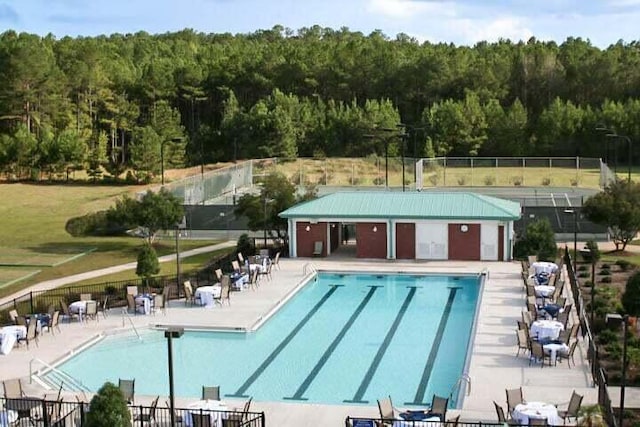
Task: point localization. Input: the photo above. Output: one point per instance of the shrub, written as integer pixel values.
(245, 245)
(94, 224)
(538, 239)
(605, 266)
(434, 179)
(605, 272)
(583, 274)
(582, 268)
(354, 180)
(462, 180)
(575, 182)
(631, 295)
(546, 181)
(148, 264)
(606, 279)
(108, 408)
(588, 284)
(623, 264)
(607, 336)
(378, 180)
(517, 180)
(489, 180)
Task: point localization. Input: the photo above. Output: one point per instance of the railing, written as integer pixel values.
(597, 372)
(49, 413)
(309, 268)
(464, 378)
(63, 376)
(125, 314)
(374, 422)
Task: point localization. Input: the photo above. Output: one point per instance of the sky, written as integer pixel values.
(462, 22)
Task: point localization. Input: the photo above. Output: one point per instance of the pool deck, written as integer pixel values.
(493, 368)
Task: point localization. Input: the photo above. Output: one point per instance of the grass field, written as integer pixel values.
(371, 171)
(34, 216)
(11, 275)
(29, 257)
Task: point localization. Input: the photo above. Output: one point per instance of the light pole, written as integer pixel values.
(162, 161)
(182, 225)
(617, 318)
(265, 221)
(574, 212)
(170, 334)
(629, 154)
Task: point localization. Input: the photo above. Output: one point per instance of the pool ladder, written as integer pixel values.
(126, 314)
(456, 387)
(309, 268)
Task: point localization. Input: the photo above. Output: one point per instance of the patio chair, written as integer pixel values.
(127, 387)
(565, 336)
(501, 417)
(240, 258)
(131, 304)
(177, 414)
(538, 354)
(514, 397)
(218, 272)
(54, 321)
(573, 408)
(188, 293)
(13, 389)
(317, 248)
(569, 354)
(200, 419)
(561, 301)
(266, 271)
(224, 292)
(103, 307)
(526, 318)
(276, 261)
(253, 279)
(523, 341)
(148, 417)
(563, 318)
(91, 312)
(31, 333)
(211, 392)
(241, 418)
(158, 304)
(13, 314)
(574, 331)
(132, 290)
(538, 422)
(531, 291)
(232, 420)
(453, 422)
(439, 407)
(531, 300)
(66, 314)
(236, 266)
(85, 297)
(387, 411)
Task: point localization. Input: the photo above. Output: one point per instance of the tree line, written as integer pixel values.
(129, 102)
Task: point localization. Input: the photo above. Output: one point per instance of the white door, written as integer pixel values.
(489, 242)
(431, 241)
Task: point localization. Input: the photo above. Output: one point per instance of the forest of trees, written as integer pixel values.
(117, 103)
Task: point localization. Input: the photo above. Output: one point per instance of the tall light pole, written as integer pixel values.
(170, 334)
(182, 225)
(162, 161)
(612, 134)
(574, 212)
(265, 221)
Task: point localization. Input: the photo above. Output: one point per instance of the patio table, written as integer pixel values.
(9, 335)
(215, 409)
(536, 410)
(207, 295)
(541, 329)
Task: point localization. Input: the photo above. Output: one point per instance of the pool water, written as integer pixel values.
(343, 338)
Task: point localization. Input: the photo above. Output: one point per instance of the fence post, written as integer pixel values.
(31, 301)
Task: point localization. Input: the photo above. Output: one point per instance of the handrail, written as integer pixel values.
(66, 377)
(309, 268)
(124, 313)
(464, 377)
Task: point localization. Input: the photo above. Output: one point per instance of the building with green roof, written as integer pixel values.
(404, 225)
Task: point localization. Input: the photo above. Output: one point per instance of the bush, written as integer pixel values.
(517, 180)
(148, 264)
(94, 224)
(489, 180)
(378, 180)
(108, 408)
(575, 182)
(354, 180)
(605, 272)
(623, 264)
(245, 245)
(605, 266)
(462, 180)
(582, 268)
(434, 179)
(538, 239)
(631, 295)
(583, 274)
(606, 279)
(607, 336)
(546, 181)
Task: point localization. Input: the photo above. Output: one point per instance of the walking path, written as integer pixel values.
(54, 283)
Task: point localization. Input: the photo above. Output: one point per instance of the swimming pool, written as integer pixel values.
(343, 338)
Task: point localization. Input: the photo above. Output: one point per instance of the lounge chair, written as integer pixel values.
(211, 392)
(127, 387)
(13, 389)
(439, 407)
(387, 411)
(514, 397)
(573, 409)
(317, 248)
(148, 417)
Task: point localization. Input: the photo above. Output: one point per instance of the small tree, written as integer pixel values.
(148, 264)
(631, 296)
(245, 245)
(108, 408)
(538, 240)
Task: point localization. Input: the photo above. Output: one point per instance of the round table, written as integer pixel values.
(546, 329)
(144, 301)
(544, 267)
(8, 417)
(433, 421)
(553, 349)
(9, 335)
(537, 410)
(23, 406)
(207, 295)
(208, 406)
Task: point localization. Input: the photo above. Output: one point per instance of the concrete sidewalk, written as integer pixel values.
(55, 283)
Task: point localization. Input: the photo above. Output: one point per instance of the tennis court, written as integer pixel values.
(25, 257)
(9, 276)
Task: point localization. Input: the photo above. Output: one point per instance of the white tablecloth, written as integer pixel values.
(428, 422)
(539, 410)
(553, 350)
(9, 335)
(240, 282)
(544, 267)
(207, 405)
(144, 302)
(206, 295)
(546, 329)
(78, 307)
(7, 418)
(544, 291)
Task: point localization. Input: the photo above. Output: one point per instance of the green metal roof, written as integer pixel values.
(414, 205)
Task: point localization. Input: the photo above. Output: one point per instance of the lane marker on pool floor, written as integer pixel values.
(435, 347)
(265, 364)
(357, 398)
(334, 344)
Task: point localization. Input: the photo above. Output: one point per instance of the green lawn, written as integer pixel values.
(34, 216)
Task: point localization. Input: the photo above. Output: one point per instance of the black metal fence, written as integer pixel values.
(50, 413)
(598, 373)
(375, 422)
(115, 292)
